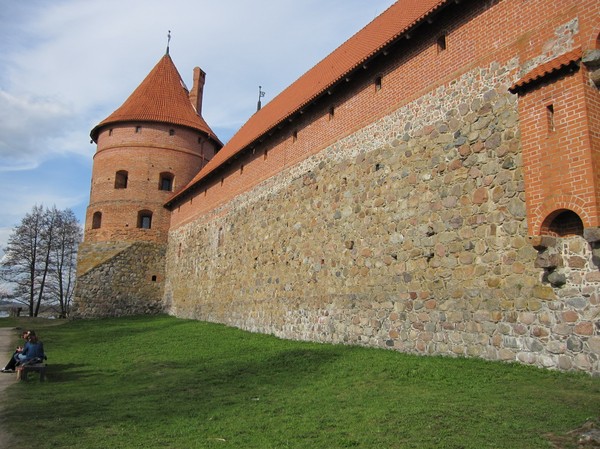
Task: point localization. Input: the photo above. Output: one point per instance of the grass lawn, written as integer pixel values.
(162, 382)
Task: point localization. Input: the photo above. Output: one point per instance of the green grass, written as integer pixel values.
(162, 382)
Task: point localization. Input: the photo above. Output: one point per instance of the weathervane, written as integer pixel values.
(260, 95)
(168, 41)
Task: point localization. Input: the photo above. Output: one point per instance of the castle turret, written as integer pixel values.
(147, 149)
(151, 146)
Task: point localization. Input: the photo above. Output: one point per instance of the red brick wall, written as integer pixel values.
(155, 149)
(528, 32)
(559, 172)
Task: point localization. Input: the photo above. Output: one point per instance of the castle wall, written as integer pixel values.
(409, 234)
(399, 221)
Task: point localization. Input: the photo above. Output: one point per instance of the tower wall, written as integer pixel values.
(120, 262)
(144, 151)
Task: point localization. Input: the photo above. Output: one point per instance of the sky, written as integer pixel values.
(65, 65)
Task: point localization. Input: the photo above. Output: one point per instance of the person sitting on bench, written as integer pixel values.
(33, 351)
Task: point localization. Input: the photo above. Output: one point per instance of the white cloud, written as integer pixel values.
(26, 126)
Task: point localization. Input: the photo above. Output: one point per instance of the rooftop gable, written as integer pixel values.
(162, 97)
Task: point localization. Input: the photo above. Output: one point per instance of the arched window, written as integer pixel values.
(97, 220)
(166, 182)
(121, 179)
(563, 223)
(144, 219)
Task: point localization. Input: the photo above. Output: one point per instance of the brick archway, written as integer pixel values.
(562, 223)
(543, 216)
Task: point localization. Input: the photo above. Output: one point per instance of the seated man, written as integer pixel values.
(33, 351)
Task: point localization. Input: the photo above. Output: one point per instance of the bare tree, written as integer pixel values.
(39, 260)
(68, 236)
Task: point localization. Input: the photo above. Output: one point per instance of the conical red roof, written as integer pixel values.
(162, 97)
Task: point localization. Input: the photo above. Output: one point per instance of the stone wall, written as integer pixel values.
(409, 234)
(118, 279)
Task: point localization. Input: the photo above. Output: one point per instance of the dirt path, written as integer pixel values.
(8, 341)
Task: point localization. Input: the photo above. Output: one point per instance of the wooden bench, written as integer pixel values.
(23, 370)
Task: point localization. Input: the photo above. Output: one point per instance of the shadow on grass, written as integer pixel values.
(184, 388)
(67, 372)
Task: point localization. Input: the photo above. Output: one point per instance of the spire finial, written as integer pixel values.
(168, 41)
(260, 95)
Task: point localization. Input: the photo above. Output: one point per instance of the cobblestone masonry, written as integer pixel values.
(119, 278)
(409, 234)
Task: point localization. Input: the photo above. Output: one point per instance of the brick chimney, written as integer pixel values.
(197, 89)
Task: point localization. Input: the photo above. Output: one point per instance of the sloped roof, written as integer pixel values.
(546, 69)
(387, 27)
(162, 97)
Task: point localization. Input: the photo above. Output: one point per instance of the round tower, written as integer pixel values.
(150, 147)
(147, 149)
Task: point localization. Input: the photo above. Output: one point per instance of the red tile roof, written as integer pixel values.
(383, 30)
(162, 97)
(547, 68)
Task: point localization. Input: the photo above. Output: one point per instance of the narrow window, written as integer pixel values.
(166, 182)
(241, 169)
(97, 220)
(138, 129)
(153, 278)
(378, 83)
(171, 132)
(550, 118)
(110, 131)
(121, 179)
(220, 238)
(331, 112)
(294, 136)
(441, 43)
(145, 219)
(266, 154)
(222, 181)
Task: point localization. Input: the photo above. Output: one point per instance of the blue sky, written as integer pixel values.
(67, 64)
